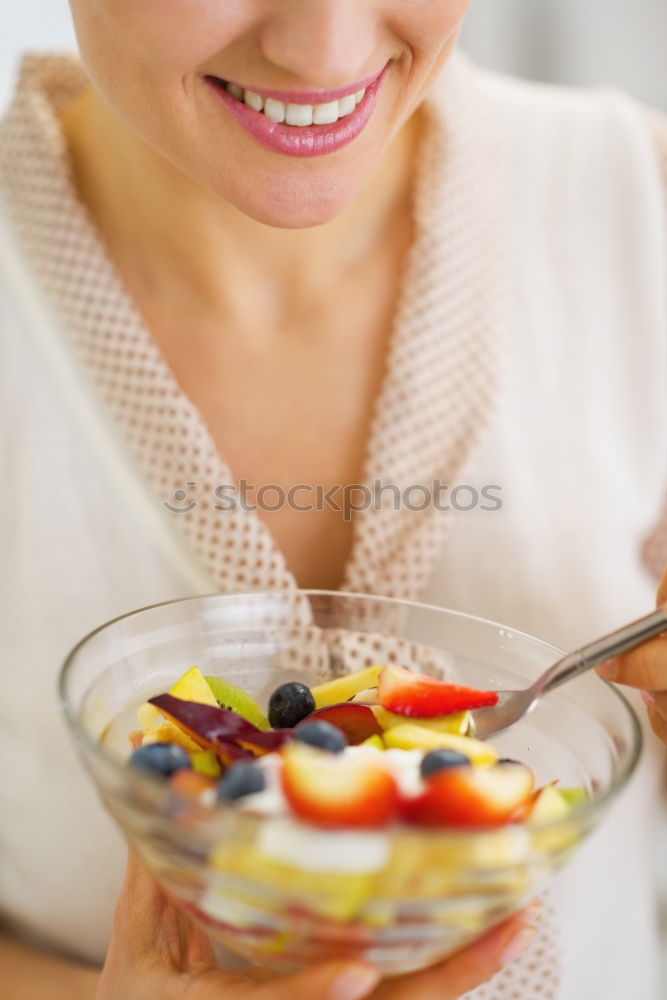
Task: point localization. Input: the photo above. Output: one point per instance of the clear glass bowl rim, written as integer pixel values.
(583, 812)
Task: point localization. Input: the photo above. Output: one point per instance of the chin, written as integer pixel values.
(317, 212)
(300, 203)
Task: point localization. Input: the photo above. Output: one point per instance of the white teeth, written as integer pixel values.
(325, 114)
(299, 114)
(275, 110)
(253, 100)
(346, 105)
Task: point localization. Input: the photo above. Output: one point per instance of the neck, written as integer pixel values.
(162, 222)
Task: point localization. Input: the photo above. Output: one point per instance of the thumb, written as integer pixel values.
(480, 962)
(469, 968)
(333, 981)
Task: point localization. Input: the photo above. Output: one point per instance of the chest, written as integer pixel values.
(290, 409)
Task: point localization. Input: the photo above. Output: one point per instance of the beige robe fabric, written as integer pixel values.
(434, 411)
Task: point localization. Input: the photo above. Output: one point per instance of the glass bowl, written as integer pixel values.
(402, 898)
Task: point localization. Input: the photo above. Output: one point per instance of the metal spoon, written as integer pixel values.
(513, 705)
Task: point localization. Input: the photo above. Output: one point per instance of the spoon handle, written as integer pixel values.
(594, 653)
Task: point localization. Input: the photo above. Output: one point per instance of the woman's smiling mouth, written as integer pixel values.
(288, 122)
(297, 114)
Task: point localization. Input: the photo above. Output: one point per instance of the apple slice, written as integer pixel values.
(356, 722)
(548, 805)
(374, 741)
(406, 693)
(458, 722)
(344, 688)
(206, 763)
(148, 717)
(333, 790)
(169, 732)
(191, 686)
(471, 797)
(136, 738)
(413, 737)
(369, 696)
(228, 735)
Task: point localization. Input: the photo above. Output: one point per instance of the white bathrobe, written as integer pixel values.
(529, 353)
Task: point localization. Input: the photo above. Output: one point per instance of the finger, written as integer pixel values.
(157, 923)
(657, 701)
(139, 908)
(644, 668)
(662, 589)
(139, 884)
(149, 923)
(334, 981)
(134, 931)
(140, 916)
(656, 705)
(471, 967)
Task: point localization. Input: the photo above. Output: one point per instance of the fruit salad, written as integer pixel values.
(370, 805)
(363, 752)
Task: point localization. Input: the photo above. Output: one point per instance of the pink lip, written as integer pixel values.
(311, 96)
(307, 140)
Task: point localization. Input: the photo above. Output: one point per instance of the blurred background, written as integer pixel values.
(618, 43)
(584, 42)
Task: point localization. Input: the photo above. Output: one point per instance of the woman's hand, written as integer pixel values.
(157, 954)
(645, 668)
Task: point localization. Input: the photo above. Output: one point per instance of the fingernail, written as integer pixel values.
(609, 670)
(354, 983)
(647, 698)
(518, 944)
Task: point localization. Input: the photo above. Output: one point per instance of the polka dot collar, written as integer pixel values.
(439, 386)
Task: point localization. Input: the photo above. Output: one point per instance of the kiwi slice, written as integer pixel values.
(236, 700)
(574, 796)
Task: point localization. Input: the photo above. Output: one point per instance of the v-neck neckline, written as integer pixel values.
(438, 387)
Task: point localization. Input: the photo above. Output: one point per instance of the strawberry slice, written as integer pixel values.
(472, 797)
(405, 693)
(332, 790)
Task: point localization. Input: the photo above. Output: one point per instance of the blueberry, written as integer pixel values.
(289, 704)
(322, 735)
(440, 760)
(243, 778)
(160, 758)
